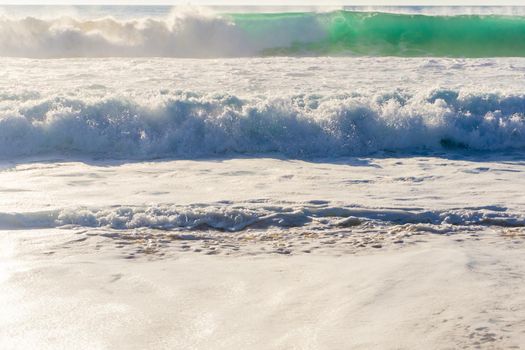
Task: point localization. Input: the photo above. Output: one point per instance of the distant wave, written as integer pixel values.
(240, 216)
(188, 125)
(197, 33)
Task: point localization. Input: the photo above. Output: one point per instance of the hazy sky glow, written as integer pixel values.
(272, 2)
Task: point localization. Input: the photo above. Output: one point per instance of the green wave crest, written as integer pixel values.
(384, 34)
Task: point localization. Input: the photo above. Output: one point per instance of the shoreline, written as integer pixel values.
(61, 289)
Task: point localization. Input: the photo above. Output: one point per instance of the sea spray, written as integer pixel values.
(196, 33)
(189, 125)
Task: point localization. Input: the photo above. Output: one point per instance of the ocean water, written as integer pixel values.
(153, 31)
(236, 119)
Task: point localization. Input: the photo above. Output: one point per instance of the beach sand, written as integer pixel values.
(64, 289)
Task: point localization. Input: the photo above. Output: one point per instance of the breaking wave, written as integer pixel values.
(198, 33)
(240, 216)
(189, 125)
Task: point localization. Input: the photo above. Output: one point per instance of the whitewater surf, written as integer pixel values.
(262, 178)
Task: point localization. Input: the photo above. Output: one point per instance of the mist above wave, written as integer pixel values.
(199, 33)
(188, 35)
(186, 32)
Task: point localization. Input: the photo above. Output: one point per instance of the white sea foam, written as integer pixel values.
(192, 125)
(241, 216)
(302, 108)
(316, 109)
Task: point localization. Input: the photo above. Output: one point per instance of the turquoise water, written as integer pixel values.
(387, 34)
(131, 31)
